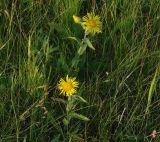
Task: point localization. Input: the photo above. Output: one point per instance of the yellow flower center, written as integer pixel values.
(92, 23)
(67, 86)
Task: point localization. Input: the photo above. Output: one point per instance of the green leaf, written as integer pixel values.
(82, 49)
(59, 100)
(78, 116)
(75, 61)
(74, 38)
(65, 121)
(87, 41)
(79, 98)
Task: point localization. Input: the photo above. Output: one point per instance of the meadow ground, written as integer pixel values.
(118, 97)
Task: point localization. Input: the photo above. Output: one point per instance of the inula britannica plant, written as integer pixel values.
(68, 87)
(92, 25)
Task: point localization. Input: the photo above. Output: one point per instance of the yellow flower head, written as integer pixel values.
(76, 19)
(91, 23)
(68, 87)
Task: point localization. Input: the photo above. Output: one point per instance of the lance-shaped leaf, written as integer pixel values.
(78, 116)
(87, 41)
(79, 98)
(75, 39)
(82, 49)
(75, 61)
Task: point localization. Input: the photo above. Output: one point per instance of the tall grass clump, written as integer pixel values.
(61, 81)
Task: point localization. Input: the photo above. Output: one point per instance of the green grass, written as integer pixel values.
(120, 80)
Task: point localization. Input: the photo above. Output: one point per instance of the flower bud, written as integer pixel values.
(76, 19)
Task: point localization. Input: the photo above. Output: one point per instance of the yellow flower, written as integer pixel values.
(68, 87)
(91, 23)
(76, 19)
